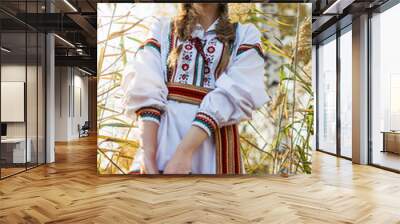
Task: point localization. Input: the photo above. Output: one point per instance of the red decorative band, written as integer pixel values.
(206, 122)
(186, 93)
(151, 43)
(149, 109)
(245, 47)
(149, 112)
(228, 150)
(208, 119)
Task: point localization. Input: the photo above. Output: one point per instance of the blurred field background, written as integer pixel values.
(277, 141)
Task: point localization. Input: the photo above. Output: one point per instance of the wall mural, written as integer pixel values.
(236, 98)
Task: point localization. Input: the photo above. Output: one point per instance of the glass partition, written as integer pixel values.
(32, 97)
(22, 78)
(14, 153)
(327, 95)
(385, 89)
(41, 97)
(346, 93)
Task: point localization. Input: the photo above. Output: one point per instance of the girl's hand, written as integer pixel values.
(149, 166)
(148, 136)
(181, 162)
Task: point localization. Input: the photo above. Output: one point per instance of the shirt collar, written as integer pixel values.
(199, 31)
(213, 25)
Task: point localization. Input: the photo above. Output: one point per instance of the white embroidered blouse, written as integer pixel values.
(237, 92)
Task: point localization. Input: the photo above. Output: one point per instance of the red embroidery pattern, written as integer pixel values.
(211, 49)
(184, 78)
(208, 80)
(186, 61)
(206, 70)
(185, 67)
(198, 67)
(188, 47)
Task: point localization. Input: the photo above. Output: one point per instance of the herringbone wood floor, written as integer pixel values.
(70, 191)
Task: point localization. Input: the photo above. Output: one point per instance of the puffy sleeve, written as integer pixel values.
(239, 90)
(145, 91)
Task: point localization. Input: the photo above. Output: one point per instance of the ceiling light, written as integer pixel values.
(333, 6)
(337, 7)
(84, 71)
(70, 5)
(64, 40)
(5, 50)
(80, 51)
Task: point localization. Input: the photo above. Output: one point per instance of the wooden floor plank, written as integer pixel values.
(70, 191)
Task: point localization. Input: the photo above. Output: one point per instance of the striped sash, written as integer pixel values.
(227, 143)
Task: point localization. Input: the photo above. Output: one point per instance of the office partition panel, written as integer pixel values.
(31, 99)
(41, 96)
(22, 77)
(16, 150)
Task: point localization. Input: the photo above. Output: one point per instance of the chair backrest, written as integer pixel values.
(86, 125)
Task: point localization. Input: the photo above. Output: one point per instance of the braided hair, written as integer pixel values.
(184, 24)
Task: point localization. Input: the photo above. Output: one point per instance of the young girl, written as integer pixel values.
(192, 81)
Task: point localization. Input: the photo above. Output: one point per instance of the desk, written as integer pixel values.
(391, 141)
(13, 150)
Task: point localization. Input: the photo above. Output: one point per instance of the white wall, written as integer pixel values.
(71, 102)
(12, 73)
(61, 103)
(33, 127)
(16, 73)
(80, 110)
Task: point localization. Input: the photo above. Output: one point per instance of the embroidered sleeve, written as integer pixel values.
(144, 85)
(206, 122)
(245, 47)
(149, 114)
(151, 43)
(241, 88)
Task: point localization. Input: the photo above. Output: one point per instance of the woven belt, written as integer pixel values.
(227, 143)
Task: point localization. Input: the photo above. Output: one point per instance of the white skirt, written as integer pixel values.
(175, 123)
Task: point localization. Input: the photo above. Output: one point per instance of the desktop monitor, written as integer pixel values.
(3, 130)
